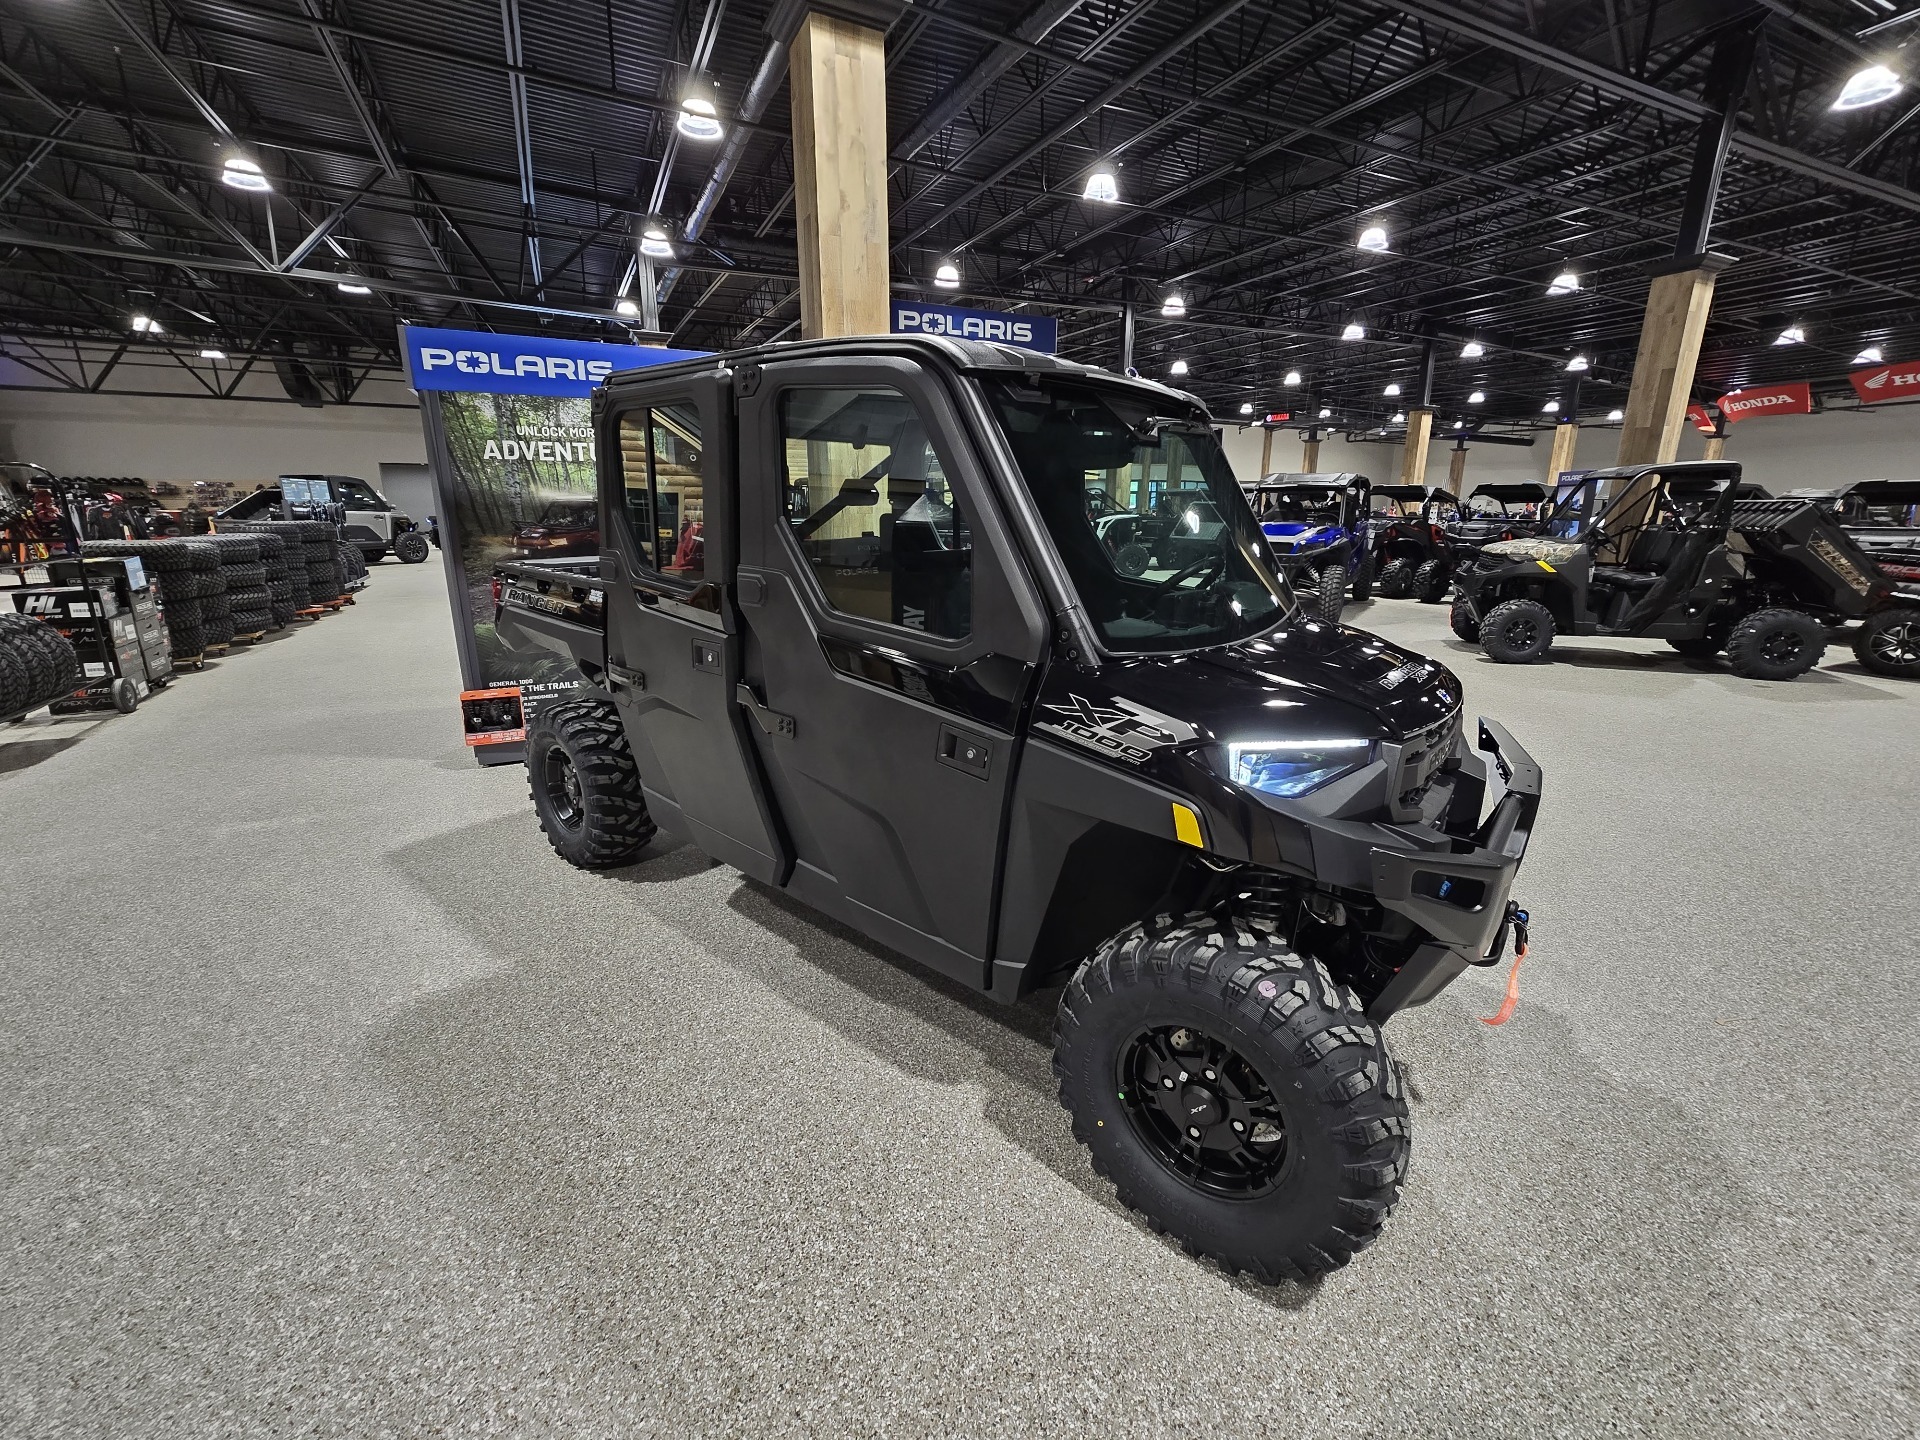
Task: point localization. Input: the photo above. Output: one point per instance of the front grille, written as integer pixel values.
(1421, 757)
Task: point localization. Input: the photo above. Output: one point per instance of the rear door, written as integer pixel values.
(673, 647)
(893, 642)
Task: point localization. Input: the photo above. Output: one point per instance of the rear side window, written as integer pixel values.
(872, 511)
(662, 469)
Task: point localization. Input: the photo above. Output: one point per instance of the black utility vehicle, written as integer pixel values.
(910, 686)
(1883, 519)
(1408, 534)
(1682, 554)
(1490, 514)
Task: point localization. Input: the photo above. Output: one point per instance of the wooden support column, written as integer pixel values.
(838, 79)
(1716, 448)
(1413, 454)
(1266, 451)
(1457, 470)
(1677, 306)
(1310, 456)
(1560, 458)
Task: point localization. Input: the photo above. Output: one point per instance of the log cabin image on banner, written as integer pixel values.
(510, 439)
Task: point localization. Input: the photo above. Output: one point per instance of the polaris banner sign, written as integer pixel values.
(477, 361)
(1030, 332)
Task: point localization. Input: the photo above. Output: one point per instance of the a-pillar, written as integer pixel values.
(1310, 454)
(838, 80)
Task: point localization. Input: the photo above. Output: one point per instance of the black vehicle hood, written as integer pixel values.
(1304, 680)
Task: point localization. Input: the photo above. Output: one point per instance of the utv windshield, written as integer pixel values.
(1301, 504)
(1177, 562)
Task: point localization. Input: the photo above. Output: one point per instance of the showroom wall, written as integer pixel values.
(1784, 453)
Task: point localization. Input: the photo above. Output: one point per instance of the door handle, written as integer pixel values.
(620, 677)
(771, 721)
(646, 597)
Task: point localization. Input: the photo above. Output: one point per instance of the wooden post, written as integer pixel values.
(1677, 306)
(1716, 448)
(1266, 451)
(1457, 469)
(1413, 454)
(1310, 456)
(1560, 458)
(838, 79)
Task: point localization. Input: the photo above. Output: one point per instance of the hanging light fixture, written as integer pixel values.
(1577, 364)
(1173, 305)
(1867, 87)
(1374, 237)
(213, 354)
(629, 308)
(1552, 407)
(145, 325)
(1101, 186)
(352, 287)
(1398, 418)
(1391, 390)
(1292, 377)
(1472, 350)
(654, 243)
(1459, 424)
(947, 277)
(1869, 356)
(1792, 335)
(1478, 397)
(242, 174)
(1324, 414)
(1246, 407)
(699, 115)
(1354, 331)
(1565, 283)
(1179, 367)
(1616, 414)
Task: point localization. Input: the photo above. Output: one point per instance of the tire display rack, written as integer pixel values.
(87, 632)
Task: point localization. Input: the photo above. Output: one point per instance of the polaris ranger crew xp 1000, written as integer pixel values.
(905, 680)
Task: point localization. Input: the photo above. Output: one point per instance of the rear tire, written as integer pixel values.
(410, 548)
(1464, 622)
(1332, 593)
(1396, 580)
(1430, 581)
(1277, 1047)
(586, 788)
(1517, 632)
(1776, 645)
(1889, 643)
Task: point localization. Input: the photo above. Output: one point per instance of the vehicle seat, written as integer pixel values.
(1652, 552)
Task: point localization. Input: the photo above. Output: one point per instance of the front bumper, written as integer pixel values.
(1459, 895)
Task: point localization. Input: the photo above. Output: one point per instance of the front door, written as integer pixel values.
(673, 654)
(893, 640)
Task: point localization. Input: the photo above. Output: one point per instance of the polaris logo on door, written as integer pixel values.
(1030, 332)
(520, 364)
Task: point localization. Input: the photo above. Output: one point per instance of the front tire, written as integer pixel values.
(586, 788)
(1235, 1094)
(1464, 622)
(1332, 595)
(1517, 632)
(410, 548)
(1776, 645)
(1889, 643)
(1363, 580)
(1430, 581)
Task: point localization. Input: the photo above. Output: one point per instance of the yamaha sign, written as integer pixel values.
(1030, 332)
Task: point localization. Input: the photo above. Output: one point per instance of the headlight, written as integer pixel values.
(1294, 767)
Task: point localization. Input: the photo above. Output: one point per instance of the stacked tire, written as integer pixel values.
(191, 587)
(37, 664)
(248, 600)
(288, 585)
(326, 577)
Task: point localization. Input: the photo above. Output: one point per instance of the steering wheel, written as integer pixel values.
(1215, 561)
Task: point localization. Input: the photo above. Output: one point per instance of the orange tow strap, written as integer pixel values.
(1505, 1012)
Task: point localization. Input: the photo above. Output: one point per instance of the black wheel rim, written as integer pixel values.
(1203, 1111)
(1896, 644)
(563, 787)
(1781, 647)
(1522, 632)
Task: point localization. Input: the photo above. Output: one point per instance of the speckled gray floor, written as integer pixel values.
(334, 1105)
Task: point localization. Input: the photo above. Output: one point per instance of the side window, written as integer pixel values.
(664, 483)
(679, 492)
(358, 495)
(872, 511)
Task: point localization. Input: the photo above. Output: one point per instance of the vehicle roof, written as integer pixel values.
(1411, 492)
(1880, 492)
(1520, 490)
(1312, 480)
(1673, 469)
(969, 355)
